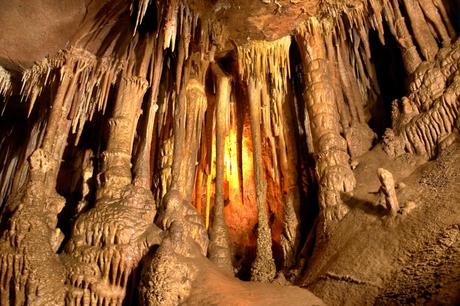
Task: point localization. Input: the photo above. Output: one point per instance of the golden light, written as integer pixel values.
(239, 184)
(240, 196)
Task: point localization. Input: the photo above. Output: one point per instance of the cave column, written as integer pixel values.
(122, 127)
(36, 207)
(116, 164)
(190, 108)
(58, 126)
(189, 115)
(143, 169)
(332, 159)
(130, 229)
(263, 268)
(219, 251)
(290, 237)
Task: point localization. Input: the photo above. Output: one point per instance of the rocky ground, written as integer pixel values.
(410, 259)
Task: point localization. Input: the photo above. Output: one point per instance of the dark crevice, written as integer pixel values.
(453, 10)
(306, 162)
(150, 22)
(391, 78)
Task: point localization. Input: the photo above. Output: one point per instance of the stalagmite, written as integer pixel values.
(388, 190)
(219, 251)
(30, 270)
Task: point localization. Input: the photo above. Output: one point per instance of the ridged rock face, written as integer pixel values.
(171, 143)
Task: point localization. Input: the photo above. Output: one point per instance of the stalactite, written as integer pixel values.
(170, 26)
(333, 54)
(142, 6)
(94, 87)
(432, 15)
(348, 84)
(448, 23)
(422, 33)
(39, 76)
(399, 29)
(5, 82)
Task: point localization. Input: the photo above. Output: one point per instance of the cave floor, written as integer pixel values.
(412, 258)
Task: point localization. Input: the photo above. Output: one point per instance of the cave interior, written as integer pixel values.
(229, 152)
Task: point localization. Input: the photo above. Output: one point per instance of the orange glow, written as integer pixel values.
(235, 193)
(232, 175)
(241, 208)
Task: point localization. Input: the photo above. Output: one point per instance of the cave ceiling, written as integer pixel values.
(34, 29)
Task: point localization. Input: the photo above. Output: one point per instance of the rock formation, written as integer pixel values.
(153, 152)
(388, 191)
